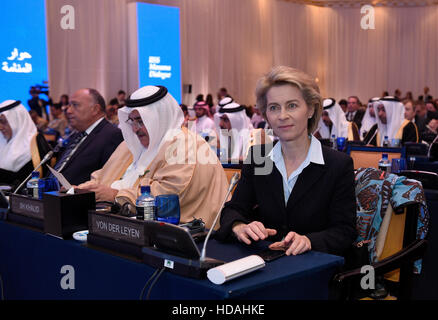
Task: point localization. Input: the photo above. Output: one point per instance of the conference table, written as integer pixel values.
(34, 265)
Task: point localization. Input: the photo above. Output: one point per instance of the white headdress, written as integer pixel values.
(368, 121)
(337, 116)
(240, 127)
(160, 114)
(395, 111)
(15, 153)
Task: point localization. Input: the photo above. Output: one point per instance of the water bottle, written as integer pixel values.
(384, 163)
(333, 141)
(386, 142)
(32, 185)
(145, 204)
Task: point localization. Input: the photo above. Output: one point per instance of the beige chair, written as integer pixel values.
(397, 249)
(35, 153)
(368, 157)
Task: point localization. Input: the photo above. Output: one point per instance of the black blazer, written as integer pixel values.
(322, 205)
(410, 134)
(357, 119)
(92, 153)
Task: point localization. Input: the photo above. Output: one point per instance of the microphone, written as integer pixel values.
(233, 182)
(431, 145)
(46, 158)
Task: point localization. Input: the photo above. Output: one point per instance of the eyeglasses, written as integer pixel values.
(135, 123)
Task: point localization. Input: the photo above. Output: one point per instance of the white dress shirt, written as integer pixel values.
(94, 125)
(313, 155)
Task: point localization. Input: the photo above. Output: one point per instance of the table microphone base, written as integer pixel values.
(192, 268)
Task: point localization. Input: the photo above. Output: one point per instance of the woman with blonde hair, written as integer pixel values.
(298, 193)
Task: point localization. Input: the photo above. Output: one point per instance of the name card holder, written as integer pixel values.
(58, 214)
(117, 233)
(26, 210)
(64, 214)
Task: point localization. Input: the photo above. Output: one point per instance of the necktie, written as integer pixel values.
(230, 150)
(350, 116)
(76, 140)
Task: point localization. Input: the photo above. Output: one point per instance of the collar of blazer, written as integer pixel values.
(307, 178)
(88, 140)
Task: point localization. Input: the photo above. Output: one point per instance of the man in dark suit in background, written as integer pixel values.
(39, 105)
(354, 113)
(420, 116)
(93, 142)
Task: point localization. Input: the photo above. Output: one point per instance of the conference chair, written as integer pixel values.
(368, 157)
(51, 137)
(38, 149)
(230, 169)
(429, 180)
(353, 132)
(397, 250)
(416, 149)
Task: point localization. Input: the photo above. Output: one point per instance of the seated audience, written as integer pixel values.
(426, 96)
(391, 123)
(256, 117)
(408, 96)
(431, 131)
(275, 198)
(58, 122)
(204, 125)
(343, 104)
(39, 122)
(37, 104)
(63, 101)
(420, 115)
(186, 114)
(369, 119)
(236, 133)
(121, 97)
(397, 94)
(431, 106)
(333, 122)
(354, 111)
(93, 141)
(111, 112)
(151, 124)
(210, 103)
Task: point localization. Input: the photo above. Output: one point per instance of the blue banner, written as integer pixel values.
(23, 48)
(159, 53)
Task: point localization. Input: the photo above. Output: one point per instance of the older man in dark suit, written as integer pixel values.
(93, 142)
(354, 113)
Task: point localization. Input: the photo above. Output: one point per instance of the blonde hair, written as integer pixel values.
(281, 75)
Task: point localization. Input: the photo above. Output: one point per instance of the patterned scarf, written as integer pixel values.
(375, 190)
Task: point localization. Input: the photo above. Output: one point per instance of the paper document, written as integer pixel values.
(62, 180)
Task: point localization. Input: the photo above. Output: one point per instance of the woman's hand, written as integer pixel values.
(103, 193)
(293, 243)
(254, 231)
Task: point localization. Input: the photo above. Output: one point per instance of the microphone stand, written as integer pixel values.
(233, 182)
(45, 159)
(431, 145)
